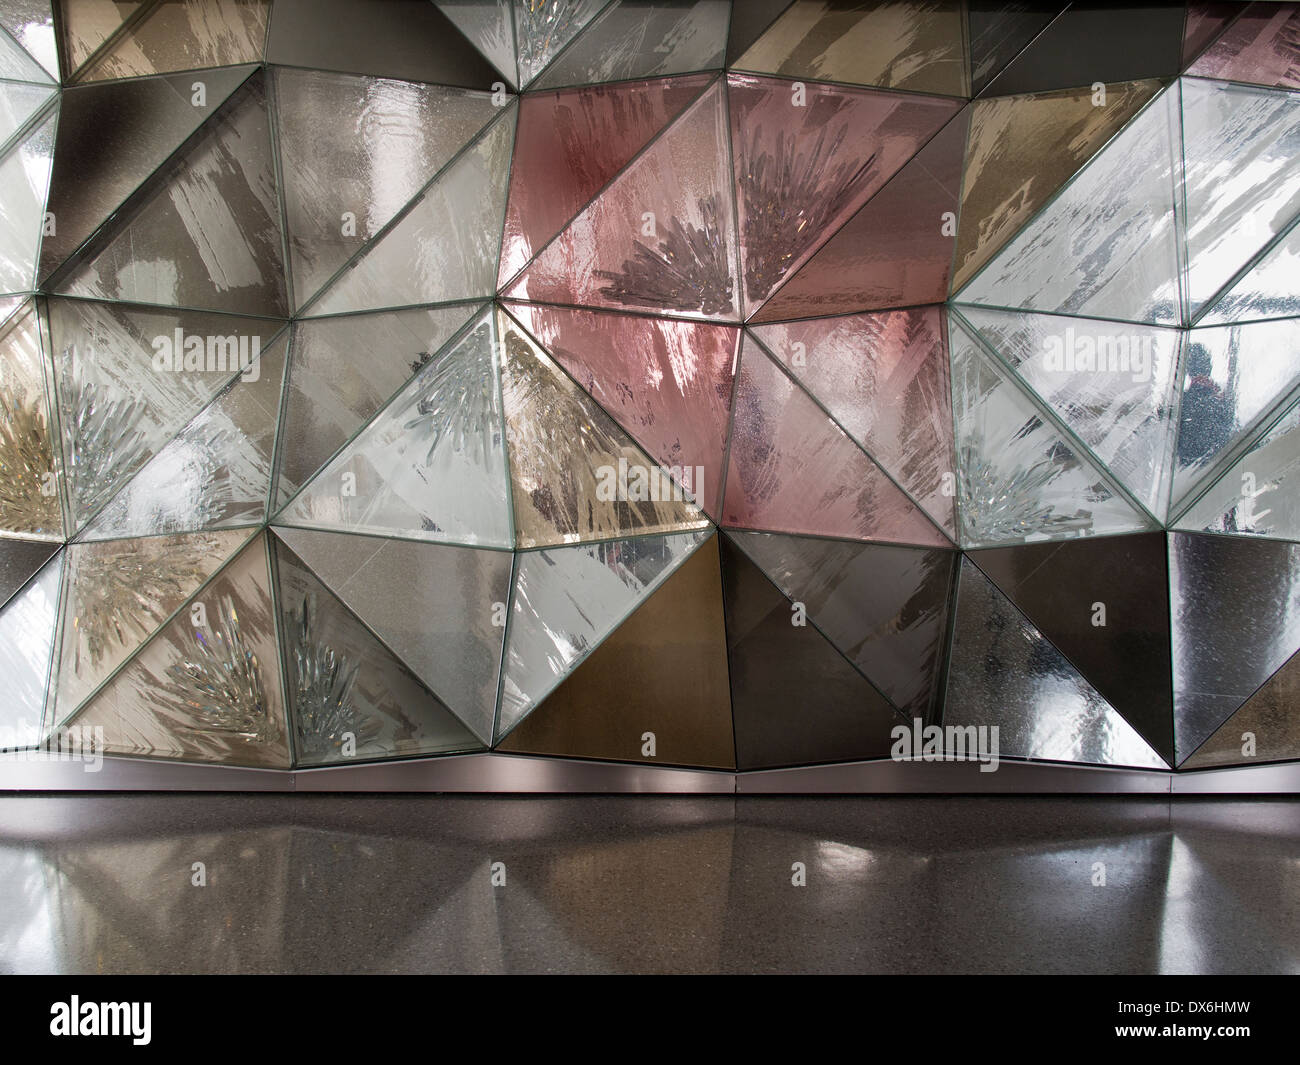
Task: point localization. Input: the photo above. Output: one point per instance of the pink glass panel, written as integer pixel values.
(896, 251)
(1262, 46)
(884, 378)
(806, 157)
(794, 470)
(668, 383)
(570, 144)
(661, 237)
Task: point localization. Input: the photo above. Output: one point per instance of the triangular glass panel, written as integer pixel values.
(206, 232)
(660, 237)
(153, 115)
(353, 152)
(207, 687)
(1260, 46)
(912, 44)
(603, 708)
(1104, 603)
(1265, 290)
(1019, 477)
(118, 594)
(1235, 605)
(807, 157)
(566, 600)
(332, 394)
(896, 251)
(1021, 150)
(31, 24)
(1107, 245)
(1113, 385)
(87, 24)
(570, 145)
(884, 608)
(25, 178)
(1232, 376)
(489, 26)
(16, 64)
(999, 30)
(29, 473)
(216, 473)
(544, 27)
(18, 103)
(575, 474)
(436, 607)
(1097, 41)
(1259, 495)
(19, 562)
(637, 40)
(1264, 730)
(884, 378)
(444, 246)
(795, 699)
(1004, 673)
(1242, 187)
(792, 469)
(350, 698)
(190, 35)
(128, 379)
(667, 382)
(432, 463)
(27, 626)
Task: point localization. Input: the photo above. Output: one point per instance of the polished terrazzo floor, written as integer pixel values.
(642, 884)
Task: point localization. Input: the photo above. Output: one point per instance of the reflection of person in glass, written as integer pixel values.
(1207, 420)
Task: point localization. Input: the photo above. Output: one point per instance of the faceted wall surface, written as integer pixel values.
(683, 383)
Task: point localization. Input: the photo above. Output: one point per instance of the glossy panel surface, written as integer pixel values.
(644, 40)
(1113, 385)
(216, 473)
(431, 465)
(544, 27)
(25, 178)
(1021, 150)
(445, 246)
(795, 699)
(1106, 247)
(1266, 290)
(1265, 729)
(896, 251)
(349, 696)
(884, 378)
(1235, 605)
(574, 474)
(332, 393)
(27, 629)
(806, 158)
(1262, 46)
(660, 237)
(1019, 477)
(668, 383)
(432, 605)
(567, 600)
(118, 594)
(19, 561)
(792, 469)
(903, 45)
(570, 145)
(353, 152)
(623, 690)
(1004, 672)
(208, 692)
(29, 476)
(884, 608)
(1058, 587)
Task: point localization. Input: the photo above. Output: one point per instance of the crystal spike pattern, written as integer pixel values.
(529, 377)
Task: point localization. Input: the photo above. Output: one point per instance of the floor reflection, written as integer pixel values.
(643, 884)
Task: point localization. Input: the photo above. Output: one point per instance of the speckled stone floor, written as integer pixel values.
(642, 884)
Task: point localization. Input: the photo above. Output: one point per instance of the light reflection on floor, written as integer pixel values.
(641, 884)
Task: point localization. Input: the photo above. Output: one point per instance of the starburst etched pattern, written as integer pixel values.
(29, 501)
(323, 684)
(106, 443)
(688, 271)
